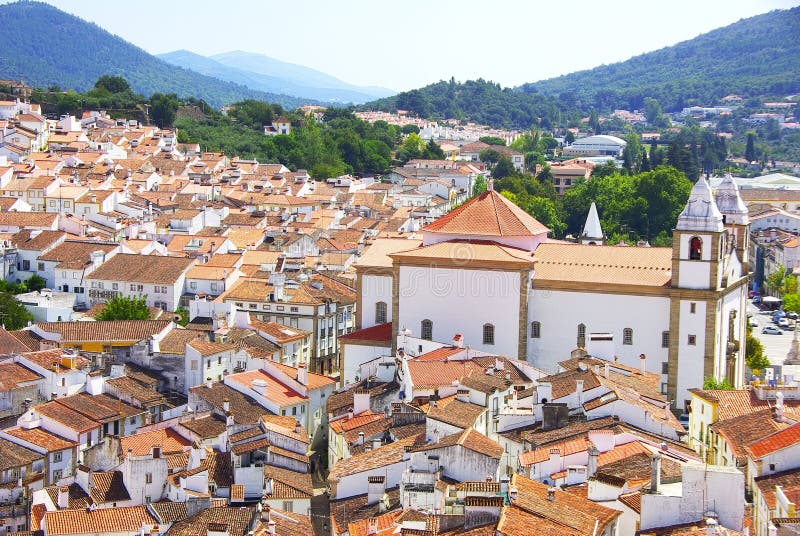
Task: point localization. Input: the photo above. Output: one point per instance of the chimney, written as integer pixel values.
(579, 391)
(360, 400)
(63, 497)
(302, 374)
(655, 472)
(226, 405)
(209, 382)
(297, 427)
(458, 340)
(360, 438)
(606, 370)
(778, 410)
(711, 527)
(376, 443)
(277, 280)
(372, 526)
(551, 494)
(591, 467)
(498, 363)
(642, 364)
(376, 487)
(436, 436)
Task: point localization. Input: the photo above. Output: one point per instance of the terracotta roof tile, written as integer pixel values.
(41, 438)
(142, 269)
(13, 455)
(108, 487)
(775, 442)
(105, 331)
(141, 444)
(84, 521)
(488, 214)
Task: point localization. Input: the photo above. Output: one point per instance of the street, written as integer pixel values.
(775, 346)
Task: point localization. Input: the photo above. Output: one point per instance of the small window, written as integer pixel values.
(57, 456)
(114, 286)
(695, 248)
(536, 330)
(664, 388)
(692, 340)
(57, 475)
(427, 330)
(280, 307)
(627, 336)
(193, 285)
(665, 339)
(581, 335)
(488, 334)
(380, 312)
(693, 307)
(294, 309)
(665, 367)
(148, 478)
(772, 467)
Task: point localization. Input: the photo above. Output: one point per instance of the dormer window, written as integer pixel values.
(695, 248)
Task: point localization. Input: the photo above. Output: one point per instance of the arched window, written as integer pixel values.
(695, 248)
(581, 335)
(380, 312)
(536, 330)
(488, 334)
(427, 330)
(627, 336)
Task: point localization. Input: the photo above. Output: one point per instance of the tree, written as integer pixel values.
(479, 186)
(750, 150)
(492, 140)
(35, 282)
(113, 84)
(632, 153)
(489, 156)
(503, 168)
(569, 137)
(776, 281)
(183, 312)
(713, 384)
(123, 308)
(163, 109)
(754, 353)
(14, 315)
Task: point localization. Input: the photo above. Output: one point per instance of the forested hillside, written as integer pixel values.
(46, 47)
(754, 57)
(476, 100)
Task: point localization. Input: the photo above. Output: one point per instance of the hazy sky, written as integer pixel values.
(402, 45)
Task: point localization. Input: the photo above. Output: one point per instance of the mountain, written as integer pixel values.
(758, 56)
(268, 74)
(46, 46)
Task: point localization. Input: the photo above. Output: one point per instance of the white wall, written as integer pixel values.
(354, 355)
(560, 312)
(462, 301)
(374, 289)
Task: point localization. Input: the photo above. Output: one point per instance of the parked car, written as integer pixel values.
(783, 323)
(753, 321)
(756, 300)
(791, 315)
(771, 330)
(752, 294)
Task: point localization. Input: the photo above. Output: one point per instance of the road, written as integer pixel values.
(775, 346)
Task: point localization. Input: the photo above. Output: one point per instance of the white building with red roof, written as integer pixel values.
(488, 271)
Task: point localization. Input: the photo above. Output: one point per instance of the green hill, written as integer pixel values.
(755, 57)
(46, 46)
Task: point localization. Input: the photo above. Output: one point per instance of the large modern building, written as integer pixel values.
(488, 271)
(600, 145)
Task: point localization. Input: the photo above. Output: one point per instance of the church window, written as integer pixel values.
(695, 248)
(380, 312)
(581, 335)
(692, 340)
(665, 367)
(665, 339)
(536, 330)
(693, 307)
(627, 336)
(488, 334)
(427, 330)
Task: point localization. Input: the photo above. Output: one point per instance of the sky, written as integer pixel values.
(408, 44)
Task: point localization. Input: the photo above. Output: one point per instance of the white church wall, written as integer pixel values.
(528, 243)
(374, 289)
(560, 312)
(691, 347)
(462, 301)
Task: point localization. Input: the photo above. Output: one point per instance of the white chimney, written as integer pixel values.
(591, 467)
(498, 363)
(63, 497)
(779, 406)
(302, 374)
(655, 472)
(458, 340)
(209, 382)
(606, 370)
(551, 494)
(277, 280)
(360, 438)
(360, 400)
(376, 443)
(579, 391)
(642, 364)
(376, 487)
(226, 405)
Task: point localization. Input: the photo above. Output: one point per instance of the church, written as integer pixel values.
(488, 271)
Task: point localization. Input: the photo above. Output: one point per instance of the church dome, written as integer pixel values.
(701, 212)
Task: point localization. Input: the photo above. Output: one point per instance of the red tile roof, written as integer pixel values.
(488, 214)
(379, 333)
(775, 442)
(141, 444)
(101, 520)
